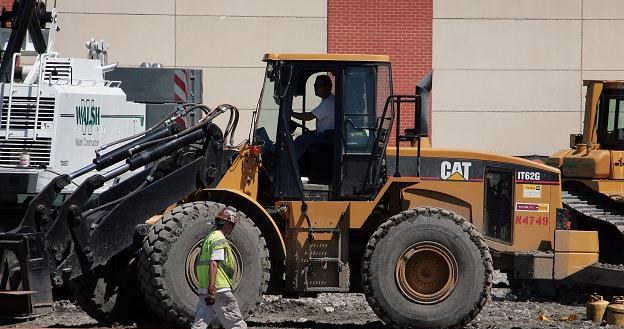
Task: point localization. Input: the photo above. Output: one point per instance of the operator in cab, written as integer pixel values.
(324, 115)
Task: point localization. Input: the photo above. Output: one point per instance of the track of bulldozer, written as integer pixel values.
(594, 211)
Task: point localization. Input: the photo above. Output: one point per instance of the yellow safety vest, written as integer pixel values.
(215, 240)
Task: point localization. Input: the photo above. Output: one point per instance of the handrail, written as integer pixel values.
(11, 80)
(42, 63)
(83, 83)
(404, 99)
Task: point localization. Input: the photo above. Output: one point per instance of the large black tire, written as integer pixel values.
(450, 235)
(109, 293)
(170, 243)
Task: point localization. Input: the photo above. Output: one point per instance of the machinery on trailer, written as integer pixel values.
(592, 170)
(417, 230)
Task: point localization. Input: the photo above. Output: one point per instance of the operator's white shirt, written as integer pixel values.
(324, 114)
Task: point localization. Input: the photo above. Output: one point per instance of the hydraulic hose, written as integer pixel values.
(123, 152)
(167, 119)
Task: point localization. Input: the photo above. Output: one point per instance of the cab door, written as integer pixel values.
(364, 129)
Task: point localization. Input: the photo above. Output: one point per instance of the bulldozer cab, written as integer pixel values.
(343, 163)
(607, 101)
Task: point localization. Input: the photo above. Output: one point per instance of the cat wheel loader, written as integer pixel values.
(371, 209)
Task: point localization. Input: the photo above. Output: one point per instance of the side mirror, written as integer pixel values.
(575, 139)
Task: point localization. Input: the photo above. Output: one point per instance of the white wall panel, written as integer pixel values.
(533, 9)
(270, 8)
(517, 133)
(133, 38)
(140, 7)
(237, 86)
(603, 9)
(241, 42)
(602, 48)
(506, 44)
(471, 90)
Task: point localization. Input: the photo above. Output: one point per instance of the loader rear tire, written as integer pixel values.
(166, 271)
(109, 293)
(427, 268)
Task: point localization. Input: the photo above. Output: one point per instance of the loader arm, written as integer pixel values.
(54, 245)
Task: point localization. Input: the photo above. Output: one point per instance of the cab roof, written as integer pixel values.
(326, 57)
(608, 83)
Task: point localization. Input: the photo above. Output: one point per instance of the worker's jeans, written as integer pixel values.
(225, 309)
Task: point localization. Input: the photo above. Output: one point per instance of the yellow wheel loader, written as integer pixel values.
(365, 208)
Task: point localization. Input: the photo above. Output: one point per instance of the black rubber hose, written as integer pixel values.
(124, 152)
(163, 149)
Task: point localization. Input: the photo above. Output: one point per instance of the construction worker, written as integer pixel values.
(215, 271)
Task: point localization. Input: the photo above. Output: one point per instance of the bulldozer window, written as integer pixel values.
(610, 119)
(498, 204)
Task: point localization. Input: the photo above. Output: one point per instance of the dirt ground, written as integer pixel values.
(352, 312)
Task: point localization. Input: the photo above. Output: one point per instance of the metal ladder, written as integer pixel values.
(41, 61)
(309, 269)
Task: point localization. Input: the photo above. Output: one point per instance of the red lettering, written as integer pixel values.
(518, 219)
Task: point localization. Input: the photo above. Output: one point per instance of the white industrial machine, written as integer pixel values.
(54, 120)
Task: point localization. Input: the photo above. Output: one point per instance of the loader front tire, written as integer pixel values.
(109, 293)
(427, 268)
(171, 248)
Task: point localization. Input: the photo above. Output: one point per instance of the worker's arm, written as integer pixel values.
(211, 297)
(305, 116)
(213, 277)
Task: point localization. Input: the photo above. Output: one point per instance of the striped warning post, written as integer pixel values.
(180, 85)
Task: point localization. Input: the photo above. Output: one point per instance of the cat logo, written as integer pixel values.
(455, 171)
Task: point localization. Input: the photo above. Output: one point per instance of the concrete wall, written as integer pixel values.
(224, 38)
(508, 74)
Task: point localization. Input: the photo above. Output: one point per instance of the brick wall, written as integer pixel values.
(401, 29)
(6, 3)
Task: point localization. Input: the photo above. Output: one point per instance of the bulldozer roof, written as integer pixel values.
(608, 83)
(325, 57)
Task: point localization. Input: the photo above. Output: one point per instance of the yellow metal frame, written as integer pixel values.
(574, 251)
(326, 57)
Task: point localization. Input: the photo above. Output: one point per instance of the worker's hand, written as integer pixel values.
(211, 295)
(210, 299)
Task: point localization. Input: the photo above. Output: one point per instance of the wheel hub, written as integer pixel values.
(426, 272)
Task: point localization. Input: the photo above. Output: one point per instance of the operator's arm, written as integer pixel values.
(305, 116)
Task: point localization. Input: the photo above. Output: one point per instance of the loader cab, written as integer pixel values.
(345, 163)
